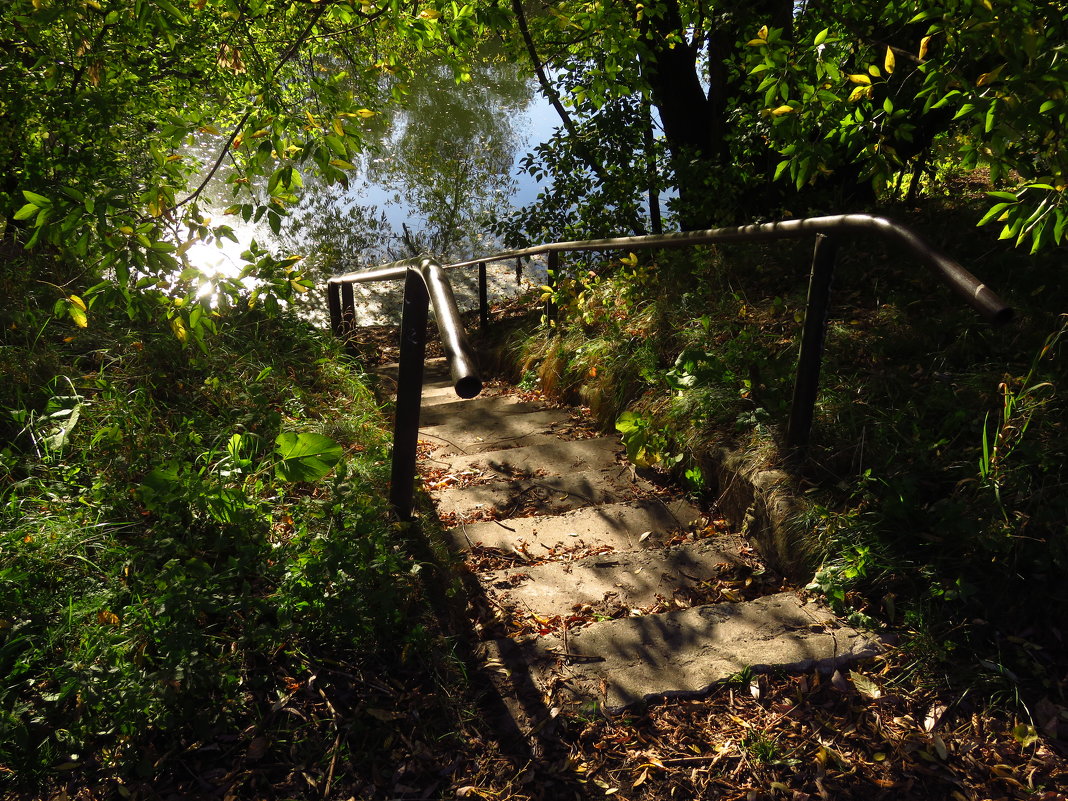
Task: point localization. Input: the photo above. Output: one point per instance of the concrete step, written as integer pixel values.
(492, 434)
(433, 370)
(551, 457)
(476, 411)
(616, 664)
(606, 583)
(437, 382)
(618, 526)
(545, 495)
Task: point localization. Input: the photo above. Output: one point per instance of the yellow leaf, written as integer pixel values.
(924, 42)
(429, 13)
(778, 112)
(178, 327)
(311, 119)
(106, 617)
(989, 77)
(860, 78)
(763, 33)
(76, 301)
(365, 113)
(858, 93)
(237, 141)
(889, 62)
(756, 43)
(339, 128)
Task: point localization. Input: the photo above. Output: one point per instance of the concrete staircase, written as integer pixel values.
(591, 586)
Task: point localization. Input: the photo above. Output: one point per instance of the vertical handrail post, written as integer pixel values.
(409, 393)
(333, 302)
(519, 270)
(810, 357)
(552, 263)
(483, 298)
(348, 315)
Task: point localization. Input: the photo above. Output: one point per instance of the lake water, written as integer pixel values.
(430, 175)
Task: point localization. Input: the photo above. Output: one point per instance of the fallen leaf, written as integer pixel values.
(933, 717)
(865, 686)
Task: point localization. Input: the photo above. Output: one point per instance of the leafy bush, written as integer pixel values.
(179, 525)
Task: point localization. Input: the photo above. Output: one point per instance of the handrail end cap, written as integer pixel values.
(469, 386)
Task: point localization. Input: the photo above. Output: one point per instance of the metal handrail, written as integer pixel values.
(828, 231)
(425, 282)
(975, 293)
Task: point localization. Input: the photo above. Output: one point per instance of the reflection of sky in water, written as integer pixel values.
(478, 131)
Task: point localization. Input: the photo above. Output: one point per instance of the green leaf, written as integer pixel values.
(629, 421)
(305, 457)
(994, 212)
(26, 212)
(964, 111)
(38, 200)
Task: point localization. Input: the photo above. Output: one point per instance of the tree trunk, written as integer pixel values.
(695, 122)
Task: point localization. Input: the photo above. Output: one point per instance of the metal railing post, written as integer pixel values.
(810, 357)
(409, 393)
(348, 314)
(483, 299)
(333, 302)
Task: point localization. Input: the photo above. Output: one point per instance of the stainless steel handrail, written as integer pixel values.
(975, 293)
(828, 232)
(425, 283)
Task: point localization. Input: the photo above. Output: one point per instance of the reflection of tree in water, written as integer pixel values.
(446, 159)
(449, 158)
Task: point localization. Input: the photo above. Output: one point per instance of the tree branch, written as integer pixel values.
(293, 48)
(553, 96)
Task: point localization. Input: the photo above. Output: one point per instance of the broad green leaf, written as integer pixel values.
(305, 457)
(38, 200)
(26, 212)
